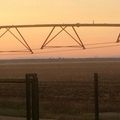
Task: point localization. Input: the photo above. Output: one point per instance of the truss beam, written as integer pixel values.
(47, 41)
(24, 43)
(64, 25)
(49, 38)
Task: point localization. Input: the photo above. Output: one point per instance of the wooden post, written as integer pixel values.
(35, 98)
(28, 96)
(96, 97)
(32, 97)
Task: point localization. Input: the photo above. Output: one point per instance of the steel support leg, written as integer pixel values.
(78, 42)
(118, 38)
(79, 38)
(24, 41)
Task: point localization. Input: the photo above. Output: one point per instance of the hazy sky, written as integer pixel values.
(50, 11)
(66, 11)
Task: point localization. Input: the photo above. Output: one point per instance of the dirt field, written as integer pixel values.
(66, 88)
(59, 69)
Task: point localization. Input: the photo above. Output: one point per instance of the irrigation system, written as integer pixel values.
(48, 39)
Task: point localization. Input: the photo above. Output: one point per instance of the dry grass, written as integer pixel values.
(60, 70)
(66, 88)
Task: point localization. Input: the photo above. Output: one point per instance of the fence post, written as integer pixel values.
(35, 98)
(32, 97)
(96, 97)
(28, 96)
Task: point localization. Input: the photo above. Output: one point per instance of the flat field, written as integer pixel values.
(66, 88)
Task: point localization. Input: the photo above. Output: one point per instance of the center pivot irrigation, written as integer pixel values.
(48, 39)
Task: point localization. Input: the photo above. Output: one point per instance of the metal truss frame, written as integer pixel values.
(48, 40)
(23, 41)
(118, 38)
(53, 26)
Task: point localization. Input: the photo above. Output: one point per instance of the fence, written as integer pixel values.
(32, 94)
(92, 99)
(54, 96)
(96, 90)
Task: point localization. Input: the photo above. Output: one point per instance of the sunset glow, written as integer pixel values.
(15, 12)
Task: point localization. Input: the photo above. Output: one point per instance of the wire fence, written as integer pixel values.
(93, 99)
(30, 98)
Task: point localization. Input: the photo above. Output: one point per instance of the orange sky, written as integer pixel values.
(62, 11)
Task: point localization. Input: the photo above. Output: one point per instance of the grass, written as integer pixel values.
(66, 90)
(12, 107)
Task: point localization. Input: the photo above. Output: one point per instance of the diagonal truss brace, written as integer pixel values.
(118, 38)
(24, 43)
(47, 40)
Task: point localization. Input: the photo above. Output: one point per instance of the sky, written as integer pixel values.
(61, 11)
